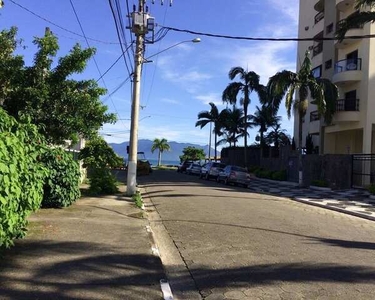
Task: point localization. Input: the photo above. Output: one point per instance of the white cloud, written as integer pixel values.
(289, 8)
(170, 101)
(210, 97)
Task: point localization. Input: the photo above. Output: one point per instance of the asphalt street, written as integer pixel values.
(239, 244)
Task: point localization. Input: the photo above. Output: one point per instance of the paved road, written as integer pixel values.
(239, 244)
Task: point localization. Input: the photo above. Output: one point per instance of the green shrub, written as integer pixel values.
(21, 176)
(137, 198)
(279, 175)
(102, 182)
(371, 189)
(319, 183)
(253, 169)
(61, 187)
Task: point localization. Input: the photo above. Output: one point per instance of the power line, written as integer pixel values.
(62, 28)
(88, 44)
(116, 61)
(355, 37)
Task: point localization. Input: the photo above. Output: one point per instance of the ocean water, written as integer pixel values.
(154, 162)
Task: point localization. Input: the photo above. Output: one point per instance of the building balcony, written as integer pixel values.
(319, 6)
(319, 16)
(344, 5)
(347, 41)
(317, 49)
(347, 71)
(347, 110)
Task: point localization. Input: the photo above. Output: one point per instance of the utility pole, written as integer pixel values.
(142, 24)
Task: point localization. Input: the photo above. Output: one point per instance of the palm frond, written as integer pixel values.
(278, 85)
(354, 21)
(202, 123)
(231, 91)
(236, 71)
(363, 3)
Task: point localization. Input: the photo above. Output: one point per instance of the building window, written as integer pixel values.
(329, 28)
(328, 64)
(317, 72)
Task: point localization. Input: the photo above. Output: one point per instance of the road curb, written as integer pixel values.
(180, 279)
(348, 212)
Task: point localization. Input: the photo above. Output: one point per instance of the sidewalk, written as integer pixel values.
(354, 202)
(96, 249)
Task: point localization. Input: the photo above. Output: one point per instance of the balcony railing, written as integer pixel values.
(314, 116)
(319, 16)
(318, 49)
(348, 65)
(347, 105)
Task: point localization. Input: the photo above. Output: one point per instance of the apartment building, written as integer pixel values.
(349, 64)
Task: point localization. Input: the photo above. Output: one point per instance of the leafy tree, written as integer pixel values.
(358, 19)
(61, 107)
(323, 92)
(214, 117)
(249, 82)
(278, 136)
(192, 153)
(98, 156)
(263, 118)
(162, 145)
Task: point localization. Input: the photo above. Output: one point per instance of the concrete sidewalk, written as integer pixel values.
(96, 249)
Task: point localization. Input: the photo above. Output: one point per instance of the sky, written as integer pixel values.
(181, 81)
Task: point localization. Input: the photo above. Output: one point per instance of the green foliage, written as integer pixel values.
(102, 182)
(371, 189)
(192, 153)
(61, 187)
(62, 108)
(162, 145)
(279, 175)
(21, 176)
(137, 198)
(253, 169)
(319, 183)
(98, 154)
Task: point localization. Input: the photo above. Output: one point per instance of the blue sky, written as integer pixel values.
(180, 82)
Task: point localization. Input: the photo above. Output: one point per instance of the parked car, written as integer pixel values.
(194, 169)
(211, 170)
(235, 175)
(182, 167)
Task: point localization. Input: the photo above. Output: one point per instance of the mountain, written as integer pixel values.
(145, 146)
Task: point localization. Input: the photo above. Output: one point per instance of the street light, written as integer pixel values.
(131, 184)
(196, 40)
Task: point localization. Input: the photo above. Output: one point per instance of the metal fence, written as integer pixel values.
(363, 171)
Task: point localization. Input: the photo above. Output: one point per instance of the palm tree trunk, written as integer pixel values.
(300, 168)
(159, 159)
(245, 129)
(261, 144)
(215, 146)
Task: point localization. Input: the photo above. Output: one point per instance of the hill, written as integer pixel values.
(145, 146)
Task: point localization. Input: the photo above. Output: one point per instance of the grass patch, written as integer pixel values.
(137, 198)
(168, 168)
(319, 183)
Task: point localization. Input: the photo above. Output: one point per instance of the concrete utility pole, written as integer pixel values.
(142, 24)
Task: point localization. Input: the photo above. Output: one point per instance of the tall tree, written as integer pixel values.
(323, 92)
(358, 19)
(233, 129)
(264, 117)
(249, 82)
(214, 117)
(277, 136)
(162, 145)
(62, 108)
(192, 153)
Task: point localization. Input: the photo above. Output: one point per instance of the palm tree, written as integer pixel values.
(263, 118)
(249, 82)
(213, 117)
(232, 125)
(162, 145)
(357, 19)
(278, 136)
(323, 92)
